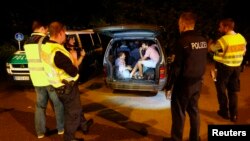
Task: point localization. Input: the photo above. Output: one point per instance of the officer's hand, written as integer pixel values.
(169, 94)
(209, 43)
(170, 59)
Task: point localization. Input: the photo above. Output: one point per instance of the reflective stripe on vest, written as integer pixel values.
(35, 65)
(34, 60)
(55, 75)
(233, 47)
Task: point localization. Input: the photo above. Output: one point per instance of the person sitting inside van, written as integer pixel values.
(134, 54)
(122, 70)
(123, 47)
(149, 60)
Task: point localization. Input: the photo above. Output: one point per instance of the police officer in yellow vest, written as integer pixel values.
(62, 72)
(44, 91)
(228, 55)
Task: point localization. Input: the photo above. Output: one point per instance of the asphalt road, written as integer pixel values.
(118, 115)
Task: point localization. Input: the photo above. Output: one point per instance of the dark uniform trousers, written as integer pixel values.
(227, 86)
(185, 99)
(72, 112)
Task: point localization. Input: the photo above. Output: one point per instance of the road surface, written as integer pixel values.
(118, 115)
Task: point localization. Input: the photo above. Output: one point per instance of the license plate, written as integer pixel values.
(18, 78)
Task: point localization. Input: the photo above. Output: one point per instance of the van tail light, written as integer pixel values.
(162, 72)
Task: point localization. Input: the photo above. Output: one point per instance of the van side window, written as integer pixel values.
(97, 41)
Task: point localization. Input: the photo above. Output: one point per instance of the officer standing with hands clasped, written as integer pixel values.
(188, 68)
(62, 72)
(228, 55)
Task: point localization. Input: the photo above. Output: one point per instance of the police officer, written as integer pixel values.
(44, 90)
(190, 56)
(62, 73)
(229, 51)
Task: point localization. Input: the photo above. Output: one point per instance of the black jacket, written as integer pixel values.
(190, 59)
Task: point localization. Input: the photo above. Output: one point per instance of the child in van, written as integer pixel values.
(122, 70)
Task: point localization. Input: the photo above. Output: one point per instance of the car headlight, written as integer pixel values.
(8, 68)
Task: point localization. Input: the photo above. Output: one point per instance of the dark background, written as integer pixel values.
(17, 16)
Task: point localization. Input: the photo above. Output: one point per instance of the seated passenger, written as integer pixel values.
(122, 70)
(150, 53)
(134, 55)
(123, 47)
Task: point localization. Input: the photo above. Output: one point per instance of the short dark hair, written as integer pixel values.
(37, 24)
(228, 22)
(56, 27)
(146, 43)
(188, 17)
(120, 53)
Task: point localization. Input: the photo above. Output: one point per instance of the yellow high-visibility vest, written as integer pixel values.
(32, 51)
(234, 47)
(55, 75)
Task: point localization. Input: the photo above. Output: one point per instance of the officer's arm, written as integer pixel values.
(214, 47)
(175, 65)
(64, 63)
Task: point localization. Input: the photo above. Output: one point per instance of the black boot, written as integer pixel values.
(223, 114)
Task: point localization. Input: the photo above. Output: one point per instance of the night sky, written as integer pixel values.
(17, 16)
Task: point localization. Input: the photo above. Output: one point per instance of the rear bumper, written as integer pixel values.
(137, 86)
